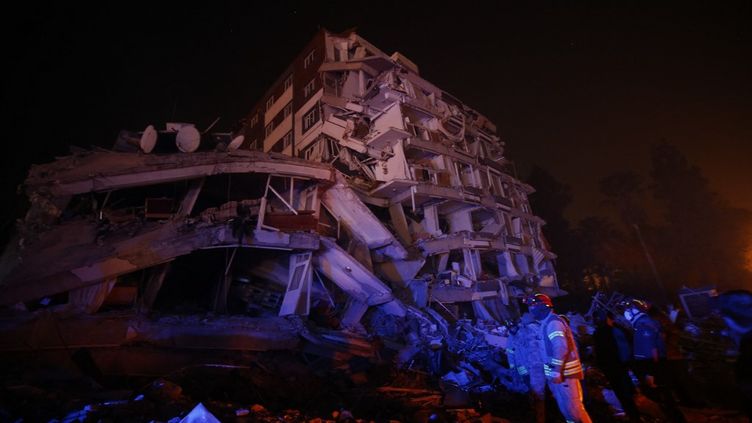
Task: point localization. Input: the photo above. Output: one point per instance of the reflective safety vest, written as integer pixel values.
(516, 353)
(561, 356)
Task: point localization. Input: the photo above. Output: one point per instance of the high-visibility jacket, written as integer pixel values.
(516, 354)
(560, 352)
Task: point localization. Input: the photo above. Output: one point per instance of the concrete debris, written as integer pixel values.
(360, 210)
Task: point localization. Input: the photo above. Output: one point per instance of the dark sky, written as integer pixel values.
(578, 88)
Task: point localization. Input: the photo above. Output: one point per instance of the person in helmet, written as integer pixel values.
(524, 355)
(562, 366)
(648, 356)
(648, 344)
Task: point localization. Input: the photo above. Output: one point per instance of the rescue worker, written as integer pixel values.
(517, 358)
(562, 366)
(648, 354)
(612, 353)
(523, 354)
(534, 363)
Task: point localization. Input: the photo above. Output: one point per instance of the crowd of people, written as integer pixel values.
(634, 347)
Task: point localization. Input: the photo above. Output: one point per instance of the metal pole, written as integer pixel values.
(651, 263)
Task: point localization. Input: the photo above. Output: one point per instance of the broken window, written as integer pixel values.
(288, 204)
(331, 85)
(421, 174)
(322, 150)
(465, 174)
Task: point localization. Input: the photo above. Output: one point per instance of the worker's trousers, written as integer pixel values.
(568, 395)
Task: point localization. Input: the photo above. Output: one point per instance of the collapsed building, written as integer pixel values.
(358, 207)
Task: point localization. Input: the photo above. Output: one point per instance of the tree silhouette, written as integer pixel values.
(624, 192)
(704, 239)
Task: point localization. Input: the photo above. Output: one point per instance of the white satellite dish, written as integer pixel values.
(148, 139)
(188, 139)
(235, 143)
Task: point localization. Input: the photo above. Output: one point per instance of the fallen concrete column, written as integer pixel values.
(351, 276)
(347, 207)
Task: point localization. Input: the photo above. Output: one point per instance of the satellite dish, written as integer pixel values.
(148, 139)
(188, 139)
(235, 143)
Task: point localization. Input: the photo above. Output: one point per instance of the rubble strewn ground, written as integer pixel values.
(298, 387)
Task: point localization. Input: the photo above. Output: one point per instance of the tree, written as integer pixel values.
(624, 192)
(704, 240)
(549, 202)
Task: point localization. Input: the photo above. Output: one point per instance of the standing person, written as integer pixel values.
(534, 361)
(648, 357)
(562, 362)
(736, 310)
(523, 354)
(673, 364)
(517, 358)
(611, 355)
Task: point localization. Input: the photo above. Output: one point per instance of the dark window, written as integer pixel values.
(283, 143)
(311, 117)
(309, 88)
(309, 59)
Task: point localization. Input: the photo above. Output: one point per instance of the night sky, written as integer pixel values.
(580, 89)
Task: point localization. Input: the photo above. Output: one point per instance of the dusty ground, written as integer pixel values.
(283, 387)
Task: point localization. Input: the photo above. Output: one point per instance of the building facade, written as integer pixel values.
(432, 166)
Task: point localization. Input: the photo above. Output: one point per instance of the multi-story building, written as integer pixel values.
(433, 167)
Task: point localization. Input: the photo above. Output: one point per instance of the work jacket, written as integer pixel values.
(648, 343)
(560, 350)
